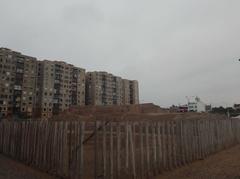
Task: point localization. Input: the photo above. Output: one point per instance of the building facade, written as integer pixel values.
(18, 83)
(32, 88)
(103, 88)
(196, 106)
(99, 88)
(134, 92)
(60, 86)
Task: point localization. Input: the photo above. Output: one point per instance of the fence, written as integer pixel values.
(118, 150)
(54, 147)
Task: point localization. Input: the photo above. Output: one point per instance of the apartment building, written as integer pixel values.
(126, 91)
(117, 91)
(196, 105)
(60, 86)
(130, 92)
(134, 92)
(103, 88)
(99, 88)
(33, 88)
(17, 83)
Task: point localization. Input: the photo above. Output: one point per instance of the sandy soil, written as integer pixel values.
(10, 169)
(224, 165)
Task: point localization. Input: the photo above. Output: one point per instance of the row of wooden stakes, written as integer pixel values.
(115, 150)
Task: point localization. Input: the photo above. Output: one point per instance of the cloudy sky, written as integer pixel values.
(173, 48)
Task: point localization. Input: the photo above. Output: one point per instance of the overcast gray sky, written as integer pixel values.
(173, 48)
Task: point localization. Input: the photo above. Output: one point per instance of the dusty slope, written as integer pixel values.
(224, 165)
(10, 169)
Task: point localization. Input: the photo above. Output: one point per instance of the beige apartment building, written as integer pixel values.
(134, 92)
(60, 86)
(17, 83)
(32, 88)
(130, 92)
(103, 88)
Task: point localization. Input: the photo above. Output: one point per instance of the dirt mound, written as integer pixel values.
(141, 112)
(139, 108)
(113, 112)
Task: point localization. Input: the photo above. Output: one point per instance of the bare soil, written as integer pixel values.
(10, 169)
(223, 165)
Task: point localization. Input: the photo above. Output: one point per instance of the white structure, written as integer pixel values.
(196, 106)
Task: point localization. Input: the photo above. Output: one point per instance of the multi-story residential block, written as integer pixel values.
(130, 92)
(117, 91)
(17, 83)
(134, 92)
(126, 91)
(60, 86)
(99, 88)
(103, 88)
(32, 88)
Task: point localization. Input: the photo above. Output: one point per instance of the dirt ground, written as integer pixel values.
(224, 165)
(10, 169)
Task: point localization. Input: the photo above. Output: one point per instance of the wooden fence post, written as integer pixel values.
(164, 144)
(81, 149)
(174, 143)
(154, 148)
(104, 151)
(159, 150)
(118, 150)
(96, 141)
(131, 136)
(111, 150)
(142, 133)
(147, 149)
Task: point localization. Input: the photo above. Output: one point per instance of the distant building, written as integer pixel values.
(236, 106)
(103, 88)
(17, 83)
(196, 106)
(60, 86)
(208, 108)
(183, 108)
(130, 91)
(32, 88)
